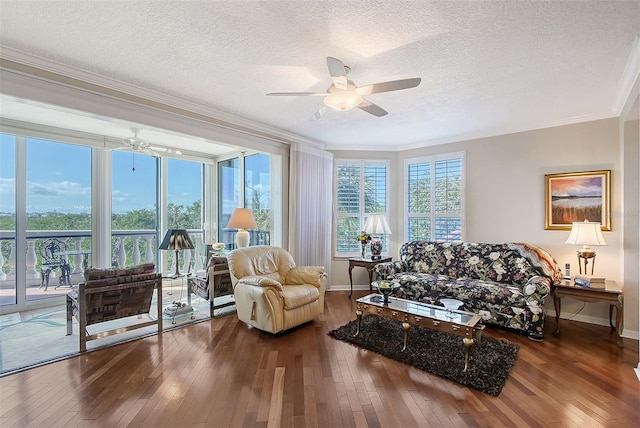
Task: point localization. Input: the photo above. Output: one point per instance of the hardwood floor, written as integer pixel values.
(222, 373)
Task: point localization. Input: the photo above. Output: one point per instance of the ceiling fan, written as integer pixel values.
(139, 145)
(344, 95)
(136, 144)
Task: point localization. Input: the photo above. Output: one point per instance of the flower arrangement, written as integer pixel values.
(363, 238)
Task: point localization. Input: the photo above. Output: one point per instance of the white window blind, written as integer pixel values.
(361, 189)
(435, 198)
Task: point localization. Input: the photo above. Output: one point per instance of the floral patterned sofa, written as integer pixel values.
(505, 283)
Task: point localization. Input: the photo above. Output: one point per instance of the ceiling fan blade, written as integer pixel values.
(164, 150)
(338, 73)
(317, 115)
(298, 94)
(372, 108)
(393, 85)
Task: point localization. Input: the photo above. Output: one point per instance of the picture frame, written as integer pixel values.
(577, 196)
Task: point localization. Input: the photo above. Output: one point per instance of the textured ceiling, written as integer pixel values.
(486, 67)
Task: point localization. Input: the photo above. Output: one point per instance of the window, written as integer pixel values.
(184, 195)
(361, 189)
(257, 195)
(435, 198)
(253, 192)
(134, 205)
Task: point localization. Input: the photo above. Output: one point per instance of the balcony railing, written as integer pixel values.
(129, 247)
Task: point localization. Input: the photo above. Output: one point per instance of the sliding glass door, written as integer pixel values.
(134, 205)
(8, 291)
(45, 218)
(245, 182)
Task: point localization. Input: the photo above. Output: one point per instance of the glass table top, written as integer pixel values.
(422, 309)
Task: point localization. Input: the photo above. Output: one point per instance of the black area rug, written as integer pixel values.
(435, 352)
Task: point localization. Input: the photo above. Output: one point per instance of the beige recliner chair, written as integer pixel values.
(271, 292)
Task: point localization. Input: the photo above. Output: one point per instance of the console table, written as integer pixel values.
(611, 294)
(368, 264)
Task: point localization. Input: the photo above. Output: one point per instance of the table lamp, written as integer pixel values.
(176, 239)
(375, 226)
(586, 233)
(242, 219)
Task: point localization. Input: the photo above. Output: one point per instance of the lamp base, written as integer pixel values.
(242, 238)
(585, 255)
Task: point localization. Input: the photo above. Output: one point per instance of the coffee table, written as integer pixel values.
(461, 323)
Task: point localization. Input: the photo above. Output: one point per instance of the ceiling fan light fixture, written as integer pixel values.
(343, 100)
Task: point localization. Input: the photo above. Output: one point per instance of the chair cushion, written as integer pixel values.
(299, 295)
(305, 275)
(94, 273)
(112, 276)
(261, 260)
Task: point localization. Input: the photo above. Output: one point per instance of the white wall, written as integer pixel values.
(505, 198)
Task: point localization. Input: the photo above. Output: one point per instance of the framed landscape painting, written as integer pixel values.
(577, 196)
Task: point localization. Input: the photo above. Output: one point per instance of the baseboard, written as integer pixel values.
(629, 334)
(637, 370)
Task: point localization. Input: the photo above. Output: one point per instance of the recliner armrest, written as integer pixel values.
(305, 275)
(260, 281)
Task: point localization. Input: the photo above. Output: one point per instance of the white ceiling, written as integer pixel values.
(487, 67)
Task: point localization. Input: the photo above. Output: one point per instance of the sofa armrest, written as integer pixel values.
(535, 291)
(388, 269)
(305, 275)
(537, 285)
(260, 281)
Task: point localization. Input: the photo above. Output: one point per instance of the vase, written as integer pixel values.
(363, 251)
(376, 250)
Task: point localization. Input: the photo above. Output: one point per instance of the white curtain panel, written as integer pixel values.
(310, 206)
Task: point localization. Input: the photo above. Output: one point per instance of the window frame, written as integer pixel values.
(432, 215)
(362, 215)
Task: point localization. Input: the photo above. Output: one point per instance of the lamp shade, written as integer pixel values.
(586, 233)
(242, 218)
(377, 225)
(176, 239)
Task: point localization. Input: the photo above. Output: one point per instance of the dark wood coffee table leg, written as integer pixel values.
(350, 280)
(556, 304)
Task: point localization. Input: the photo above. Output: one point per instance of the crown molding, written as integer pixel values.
(629, 77)
(57, 72)
(493, 132)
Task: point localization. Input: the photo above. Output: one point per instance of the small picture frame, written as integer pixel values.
(577, 196)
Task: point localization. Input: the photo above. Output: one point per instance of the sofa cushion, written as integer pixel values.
(437, 258)
(493, 262)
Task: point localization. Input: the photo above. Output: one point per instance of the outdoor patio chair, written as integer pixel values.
(49, 250)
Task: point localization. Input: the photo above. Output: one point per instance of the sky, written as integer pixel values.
(59, 178)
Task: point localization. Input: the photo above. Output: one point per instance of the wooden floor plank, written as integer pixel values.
(222, 373)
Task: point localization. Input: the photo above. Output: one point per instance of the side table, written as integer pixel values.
(611, 294)
(178, 308)
(368, 264)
